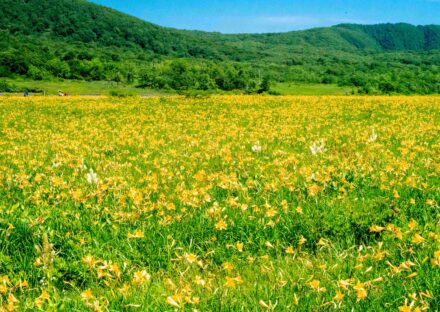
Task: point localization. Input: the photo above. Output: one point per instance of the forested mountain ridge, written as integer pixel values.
(77, 39)
(396, 37)
(380, 37)
(80, 20)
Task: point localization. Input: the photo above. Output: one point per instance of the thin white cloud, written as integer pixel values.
(287, 20)
(298, 20)
(276, 23)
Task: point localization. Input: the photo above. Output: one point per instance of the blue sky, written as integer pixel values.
(257, 16)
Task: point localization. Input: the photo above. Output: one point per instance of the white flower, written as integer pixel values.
(92, 177)
(83, 165)
(256, 148)
(317, 147)
(56, 163)
(373, 136)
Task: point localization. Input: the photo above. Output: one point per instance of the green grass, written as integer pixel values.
(310, 89)
(74, 87)
(173, 170)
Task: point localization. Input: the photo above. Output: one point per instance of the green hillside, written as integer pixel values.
(397, 37)
(76, 39)
(351, 37)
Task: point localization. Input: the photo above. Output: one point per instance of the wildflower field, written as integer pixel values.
(225, 203)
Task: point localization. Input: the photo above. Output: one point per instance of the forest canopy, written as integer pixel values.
(80, 40)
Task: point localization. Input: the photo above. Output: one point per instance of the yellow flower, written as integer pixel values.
(44, 295)
(417, 239)
(175, 301)
(39, 301)
(314, 284)
(230, 282)
(89, 261)
(405, 308)
(12, 299)
(221, 225)
(38, 178)
(228, 266)
(395, 230)
(361, 292)
(323, 242)
(376, 229)
(3, 289)
(87, 295)
(124, 289)
(22, 284)
(339, 296)
(379, 255)
(343, 284)
(289, 250)
(295, 299)
(137, 234)
(412, 224)
(263, 304)
(436, 260)
(4, 282)
(271, 212)
(412, 275)
(200, 281)
(191, 258)
(430, 202)
(313, 190)
(141, 277)
(426, 294)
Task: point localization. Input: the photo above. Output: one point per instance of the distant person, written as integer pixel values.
(26, 93)
(60, 93)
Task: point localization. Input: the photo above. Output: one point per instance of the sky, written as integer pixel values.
(259, 16)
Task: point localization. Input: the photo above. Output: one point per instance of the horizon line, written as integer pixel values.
(264, 32)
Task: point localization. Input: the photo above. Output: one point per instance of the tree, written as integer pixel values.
(265, 85)
(58, 68)
(35, 73)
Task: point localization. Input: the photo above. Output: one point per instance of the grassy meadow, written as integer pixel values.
(286, 88)
(107, 88)
(77, 87)
(223, 203)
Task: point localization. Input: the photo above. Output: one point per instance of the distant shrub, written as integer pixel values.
(265, 85)
(121, 94)
(7, 87)
(198, 93)
(37, 73)
(273, 92)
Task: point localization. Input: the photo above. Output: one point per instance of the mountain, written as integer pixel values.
(77, 39)
(381, 37)
(398, 37)
(82, 21)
